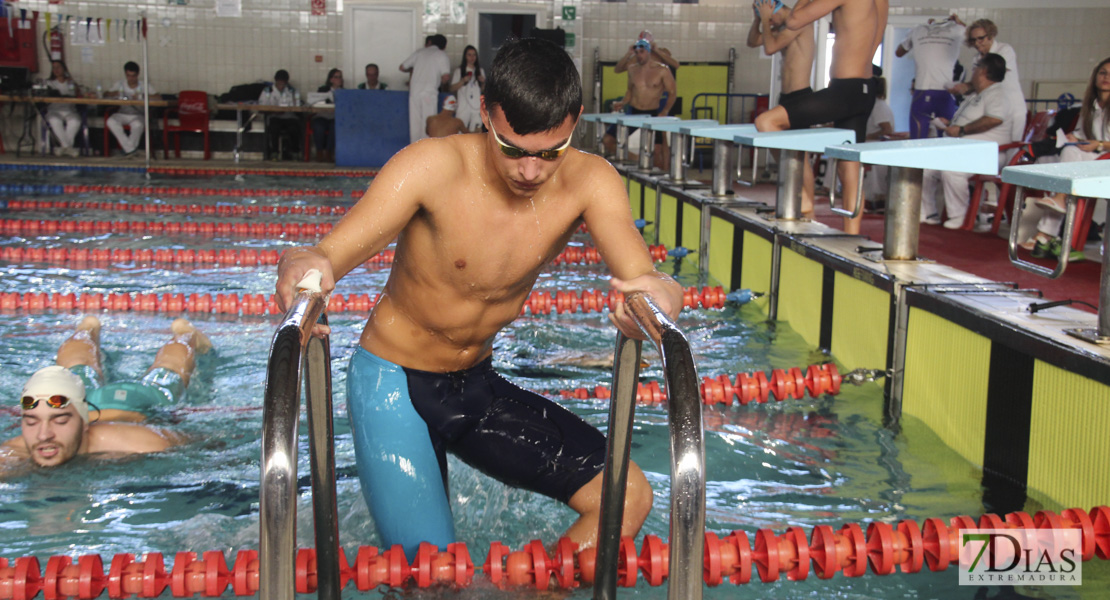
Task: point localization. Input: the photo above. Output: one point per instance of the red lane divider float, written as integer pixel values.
(227, 256)
(205, 228)
(758, 386)
(176, 190)
(177, 209)
(250, 304)
(906, 547)
(544, 302)
(272, 171)
(244, 257)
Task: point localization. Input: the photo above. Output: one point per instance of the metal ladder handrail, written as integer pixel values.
(293, 351)
(684, 414)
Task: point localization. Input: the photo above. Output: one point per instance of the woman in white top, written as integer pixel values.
(980, 36)
(466, 84)
(63, 118)
(1090, 140)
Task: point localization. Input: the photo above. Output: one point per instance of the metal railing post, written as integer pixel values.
(902, 227)
(684, 414)
(293, 348)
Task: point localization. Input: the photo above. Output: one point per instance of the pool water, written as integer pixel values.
(796, 463)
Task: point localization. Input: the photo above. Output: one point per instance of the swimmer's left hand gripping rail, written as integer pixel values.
(278, 496)
(687, 454)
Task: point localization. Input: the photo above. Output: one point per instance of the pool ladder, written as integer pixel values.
(292, 352)
(687, 454)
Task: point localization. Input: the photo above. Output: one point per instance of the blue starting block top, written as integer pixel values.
(715, 132)
(592, 117)
(1089, 179)
(676, 126)
(642, 120)
(943, 154)
(803, 140)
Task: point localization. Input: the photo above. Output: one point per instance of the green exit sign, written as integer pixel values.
(570, 13)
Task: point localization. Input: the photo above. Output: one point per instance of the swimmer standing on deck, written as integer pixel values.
(847, 101)
(56, 400)
(477, 217)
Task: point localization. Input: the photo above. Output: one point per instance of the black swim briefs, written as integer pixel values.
(846, 103)
(513, 435)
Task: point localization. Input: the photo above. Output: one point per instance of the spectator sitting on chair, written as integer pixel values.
(446, 123)
(372, 82)
(1094, 127)
(128, 88)
(282, 124)
(323, 124)
(992, 114)
(63, 118)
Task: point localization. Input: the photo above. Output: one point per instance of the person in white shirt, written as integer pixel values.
(936, 48)
(988, 114)
(286, 124)
(430, 69)
(980, 36)
(63, 118)
(129, 88)
(466, 84)
(1089, 141)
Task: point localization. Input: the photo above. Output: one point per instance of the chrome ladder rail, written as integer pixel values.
(292, 351)
(687, 454)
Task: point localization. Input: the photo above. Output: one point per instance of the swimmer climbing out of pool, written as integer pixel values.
(67, 409)
(477, 217)
(847, 101)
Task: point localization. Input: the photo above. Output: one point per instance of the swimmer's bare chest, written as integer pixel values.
(460, 274)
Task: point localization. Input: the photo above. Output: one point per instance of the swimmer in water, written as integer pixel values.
(58, 401)
(477, 217)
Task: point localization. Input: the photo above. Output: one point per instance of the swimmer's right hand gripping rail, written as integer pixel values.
(687, 454)
(294, 347)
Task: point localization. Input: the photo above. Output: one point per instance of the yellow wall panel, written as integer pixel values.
(691, 227)
(721, 234)
(945, 384)
(755, 273)
(800, 295)
(1069, 448)
(634, 193)
(668, 221)
(861, 314)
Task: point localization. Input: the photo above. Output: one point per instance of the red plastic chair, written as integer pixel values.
(192, 116)
(1006, 191)
(1036, 127)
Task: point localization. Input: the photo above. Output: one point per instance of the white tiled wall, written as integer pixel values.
(192, 48)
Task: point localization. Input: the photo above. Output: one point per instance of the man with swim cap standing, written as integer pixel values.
(648, 80)
(477, 218)
(55, 422)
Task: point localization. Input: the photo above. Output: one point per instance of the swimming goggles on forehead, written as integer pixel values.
(55, 401)
(513, 152)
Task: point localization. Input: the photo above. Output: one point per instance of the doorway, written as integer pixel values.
(489, 25)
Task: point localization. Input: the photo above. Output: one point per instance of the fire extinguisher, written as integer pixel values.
(54, 44)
